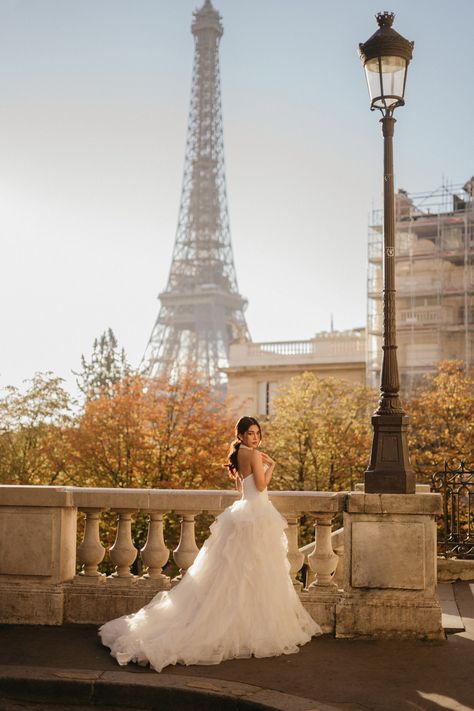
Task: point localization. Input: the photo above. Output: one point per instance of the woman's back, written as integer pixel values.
(244, 461)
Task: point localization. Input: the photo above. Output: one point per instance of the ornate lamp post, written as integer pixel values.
(386, 56)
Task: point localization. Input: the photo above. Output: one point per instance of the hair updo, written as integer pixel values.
(241, 428)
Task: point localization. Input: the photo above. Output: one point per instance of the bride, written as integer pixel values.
(237, 599)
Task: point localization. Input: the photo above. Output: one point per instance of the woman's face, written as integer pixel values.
(251, 438)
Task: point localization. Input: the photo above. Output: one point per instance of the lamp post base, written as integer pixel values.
(389, 471)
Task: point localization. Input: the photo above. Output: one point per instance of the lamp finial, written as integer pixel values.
(385, 18)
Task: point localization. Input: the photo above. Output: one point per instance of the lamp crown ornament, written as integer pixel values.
(385, 18)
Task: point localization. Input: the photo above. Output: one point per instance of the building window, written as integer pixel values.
(266, 393)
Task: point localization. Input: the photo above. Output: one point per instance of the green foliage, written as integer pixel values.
(319, 433)
(32, 424)
(107, 366)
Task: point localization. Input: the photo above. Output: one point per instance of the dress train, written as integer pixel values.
(235, 601)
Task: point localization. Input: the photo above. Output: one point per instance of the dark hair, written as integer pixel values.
(241, 427)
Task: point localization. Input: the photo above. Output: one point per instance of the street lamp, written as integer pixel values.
(386, 56)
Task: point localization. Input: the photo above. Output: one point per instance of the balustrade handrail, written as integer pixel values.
(164, 499)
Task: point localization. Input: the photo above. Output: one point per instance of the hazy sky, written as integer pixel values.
(94, 98)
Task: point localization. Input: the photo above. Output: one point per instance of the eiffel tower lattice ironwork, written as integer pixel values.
(201, 310)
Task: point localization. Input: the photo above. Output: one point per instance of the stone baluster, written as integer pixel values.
(123, 552)
(295, 557)
(91, 552)
(323, 561)
(154, 553)
(187, 549)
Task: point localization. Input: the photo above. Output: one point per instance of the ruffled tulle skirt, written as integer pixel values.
(236, 600)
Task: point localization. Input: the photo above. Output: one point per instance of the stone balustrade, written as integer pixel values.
(44, 580)
(326, 347)
(425, 315)
(92, 597)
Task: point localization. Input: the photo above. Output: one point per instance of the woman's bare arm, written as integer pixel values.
(266, 460)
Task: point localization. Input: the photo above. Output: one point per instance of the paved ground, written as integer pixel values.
(326, 674)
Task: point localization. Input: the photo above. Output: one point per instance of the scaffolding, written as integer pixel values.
(434, 265)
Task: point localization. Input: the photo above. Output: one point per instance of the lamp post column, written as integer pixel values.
(390, 382)
(389, 470)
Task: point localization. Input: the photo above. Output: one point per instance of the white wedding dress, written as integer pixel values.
(236, 600)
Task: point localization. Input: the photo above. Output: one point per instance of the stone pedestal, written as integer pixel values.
(37, 554)
(97, 600)
(321, 605)
(390, 567)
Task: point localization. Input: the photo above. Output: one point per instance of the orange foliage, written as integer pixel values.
(151, 433)
(442, 419)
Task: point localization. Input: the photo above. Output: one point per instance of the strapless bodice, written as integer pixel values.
(249, 488)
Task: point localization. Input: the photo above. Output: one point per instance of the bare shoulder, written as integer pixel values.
(255, 455)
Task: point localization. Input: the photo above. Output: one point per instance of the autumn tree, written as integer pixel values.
(148, 432)
(189, 430)
(442, 419)
(33, 448)
(107, 366)
(108, 441)
(319, 433)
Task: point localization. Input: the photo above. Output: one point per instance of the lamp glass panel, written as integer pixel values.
(386, 80)
(393, 76)
(373, 78)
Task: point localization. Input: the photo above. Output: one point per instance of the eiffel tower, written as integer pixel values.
(201, 310)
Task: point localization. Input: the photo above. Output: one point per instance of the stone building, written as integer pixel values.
(257, 370)
(434, 282)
